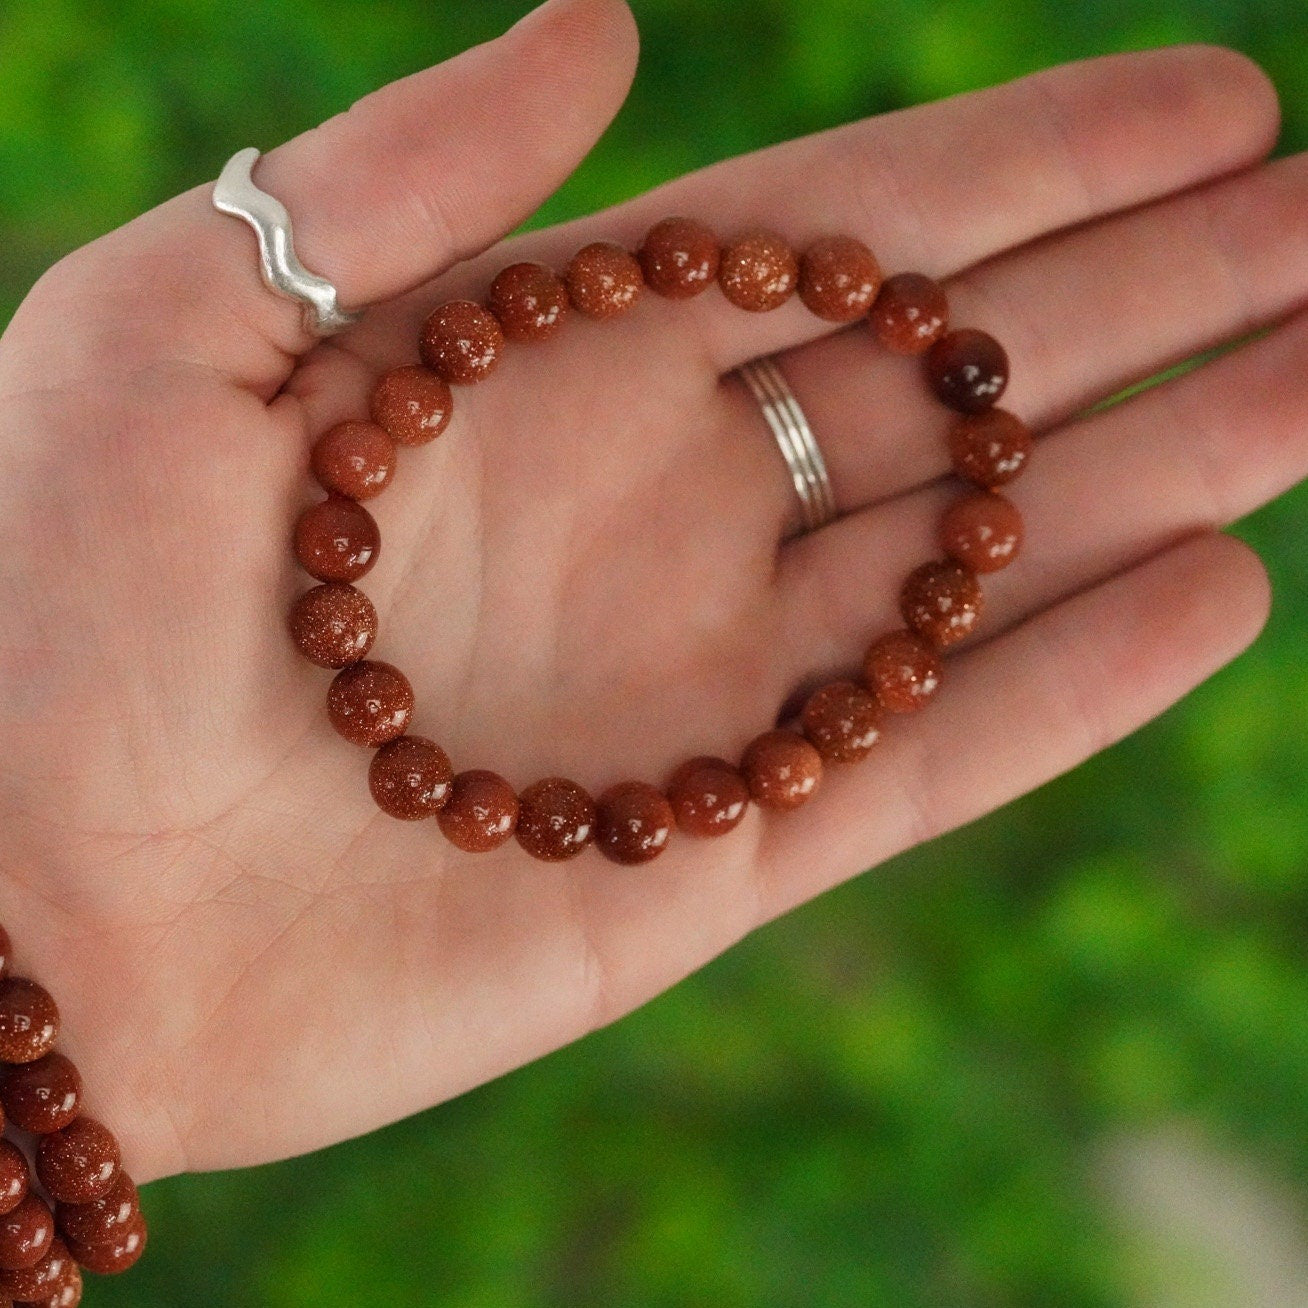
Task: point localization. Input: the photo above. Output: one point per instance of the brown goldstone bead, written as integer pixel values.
(337, 540)
(410, 778)
(708, 796)
(838, 278)
(910, 313)
(556, 819)
(13, 1176)
(355, 459)
(679, 258)
(29, 1020)
(461, 341)
(604, 280)
(982, 530)
(529, 301)
(967, 369)
(26, 1232)
(842, 722)
(902, 670)
(333, 625)
(412, 404)
(990, 448)
(102, 1219)
(5, 952)
(633, 822)
(116, 1254)
(78, 1164)
(481, 812)
(758, 272)
(370, 703)
(39, 1282)
(68, 1294)
(44, 1095)
(781, 769)
(941, 601)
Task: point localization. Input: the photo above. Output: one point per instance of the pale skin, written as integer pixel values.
(586, 574)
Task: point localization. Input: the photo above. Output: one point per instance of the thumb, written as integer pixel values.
(415, 176)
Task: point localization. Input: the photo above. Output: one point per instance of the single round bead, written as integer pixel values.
(26, 1232)
(990, 448)
(412, 404)
(461, 341)
(337, 540)
(115, 1255)
(982, 531)
(842, 722)
(29, 1020)
(410, 778)
(333, 625)
(967, 369)
(604, 280)
(758, 272)
(355, 459)
(79, 1163)
(941, 601)
(481, 812)
(781, 769)
(633, 822)
(68, 1294)
(708, 796)
(370, 703)
(902, 670)
(41, 1281)
(839, 278)
(556, 819)
(6, 952)
(529, 301)
(102, 1219)
(910, 313)
(44, 1095)
(679, 258)
(13, 1176)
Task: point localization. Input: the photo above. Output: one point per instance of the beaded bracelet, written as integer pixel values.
(838, 278)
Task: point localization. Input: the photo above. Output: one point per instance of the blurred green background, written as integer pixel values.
(1059, 1058)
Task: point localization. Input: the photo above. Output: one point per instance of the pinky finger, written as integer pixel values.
(1024, 708)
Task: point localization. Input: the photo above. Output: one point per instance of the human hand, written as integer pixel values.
(584, 575)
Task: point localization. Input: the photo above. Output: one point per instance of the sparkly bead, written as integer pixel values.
(114, 1255)
(336, 540)
(102, 1219)
(78, 1164)
(42, 1096)
(990, 448)
(968, 370)
(902, 670)
(333, 625)
(370, 703)
(5, 952)
(410, 778)
(679, 258)
(982, 530)
(29, 1020)
(708, 796)
(43, 1280)
(910, 313)
(69, 1293)
(941, 601)
(604, 280)
(355, 459)
(412, 404)
(633, 822)
(461, 341)
(838, 278)
(13, 1176)
(529, 301)
(26, 1232)
(481, 812)
(781, 769)
(842, 722)
(758, 272)
(556, 819)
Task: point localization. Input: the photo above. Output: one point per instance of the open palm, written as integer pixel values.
(589, 573)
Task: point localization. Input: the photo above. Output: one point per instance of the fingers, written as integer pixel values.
(1022, 709)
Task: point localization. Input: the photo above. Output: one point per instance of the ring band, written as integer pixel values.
(798, 445)
(235, 193)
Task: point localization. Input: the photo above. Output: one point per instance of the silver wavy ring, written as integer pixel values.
(235, 193)
(798, 445)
